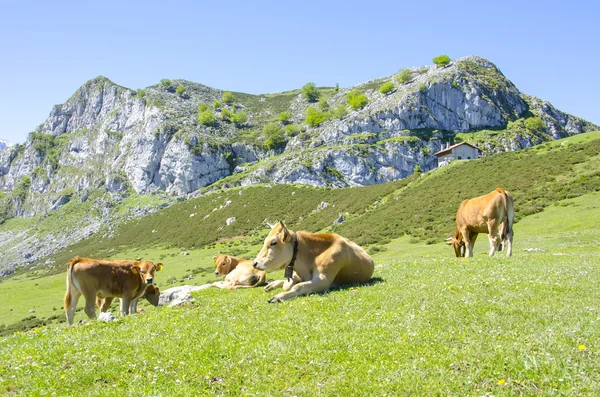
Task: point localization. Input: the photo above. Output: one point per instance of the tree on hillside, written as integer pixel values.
(285, 117)
(180, 90)
(310, 92)
(274, 136)
(314, 118)
(535, 124)
(356, 99)
(387, 87)
(166, 83)
(404, 76)
(239, 118)
(206, 117)
(441, 60)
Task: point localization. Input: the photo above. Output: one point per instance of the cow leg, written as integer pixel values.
(508, 241)
(71, 304)
(133, 306)
(469, 241)
(90, 306)
(105, 305)
(274, 284)
(125, 302)
(318, 284)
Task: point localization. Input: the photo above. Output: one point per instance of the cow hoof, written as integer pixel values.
(274, 300)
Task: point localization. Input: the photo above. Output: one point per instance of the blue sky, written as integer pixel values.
(549, 49)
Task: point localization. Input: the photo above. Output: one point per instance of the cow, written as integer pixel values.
(492, 214)
(239, 273)
(313, 262)
(151, 294)
(96, 278)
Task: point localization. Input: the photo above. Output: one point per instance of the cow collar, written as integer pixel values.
(289, 269)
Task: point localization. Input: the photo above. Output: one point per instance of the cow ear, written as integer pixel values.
(286, 235)
(159, 266)
(135, 269)
(228, 259)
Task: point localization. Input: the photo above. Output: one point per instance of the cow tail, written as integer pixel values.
(509, 210)
(68, 294)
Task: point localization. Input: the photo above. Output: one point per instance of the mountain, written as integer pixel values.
(108, 144)
(4, 144)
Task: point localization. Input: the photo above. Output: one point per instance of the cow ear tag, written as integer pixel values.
(159, 267)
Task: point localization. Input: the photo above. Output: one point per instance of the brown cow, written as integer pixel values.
(492, 214)
(152, 295)
(313, 262)
(239, 273)
(95, 278)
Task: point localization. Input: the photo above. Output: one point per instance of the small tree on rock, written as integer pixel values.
(387, 87)
(441, 60)
(310, 92)
(228, 98)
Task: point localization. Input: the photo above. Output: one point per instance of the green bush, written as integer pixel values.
(216, 104)
(206, 117)
(140, 94)
(239, 118)
(202, 107)
(274, 136)
(166, 83)
(285, 117)
(314, 118)
(323, 105)
(180, 90)
(356, 99)
(423, 88)
(535, 124)
(441, 60)
(404, 76)
(310, 92)
(228, 98)
(226, 115)
(387, 87)
(292, 130)
(417, 169)
(340, 111)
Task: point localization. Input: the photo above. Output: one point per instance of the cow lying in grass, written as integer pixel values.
(239, 273)
(94, 278)
(493, 214)
(313, 262)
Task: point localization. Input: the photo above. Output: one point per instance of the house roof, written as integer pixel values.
(448, 150)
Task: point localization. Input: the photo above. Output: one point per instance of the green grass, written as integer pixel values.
(430, 324)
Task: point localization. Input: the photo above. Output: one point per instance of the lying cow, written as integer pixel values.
(492, 214)
(94, 278)
(239, 273)
(312, 262)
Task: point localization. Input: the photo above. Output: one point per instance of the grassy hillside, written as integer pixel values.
(429, 324)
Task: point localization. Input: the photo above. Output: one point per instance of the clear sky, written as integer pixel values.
(549, 49)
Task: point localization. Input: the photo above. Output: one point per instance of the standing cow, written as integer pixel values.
(312, 262)
(96, 278)
(493, 214)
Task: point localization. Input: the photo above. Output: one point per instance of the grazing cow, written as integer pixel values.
(151, 294)
(239, 273)
(94, 278)
(312, 262)
(492, 214)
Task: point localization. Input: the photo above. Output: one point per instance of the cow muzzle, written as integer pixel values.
(149, 280)
(258, 266)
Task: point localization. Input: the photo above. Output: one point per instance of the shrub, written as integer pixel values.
(323, 105)
(202, 107)
(337, 87)
(217, 104)
(535, 124)
(441, 60)
(274, 136)
(423, 88)
(140, 94)
(285, 117)
(356, 99)
(166, 83)
(180, 90)
(228, 98)
(314, 118)
(206, 117)
(310, 92)
(239, 118)
(292, 130)
(226, 115)
(404, 76)
(340, 111)
(417, 169)
(387, 87)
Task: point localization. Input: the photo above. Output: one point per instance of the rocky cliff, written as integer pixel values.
(108, 139)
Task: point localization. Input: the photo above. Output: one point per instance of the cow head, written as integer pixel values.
(152, 295)
(277, 250)
(458, 244)
(223, 263)
(147, 269)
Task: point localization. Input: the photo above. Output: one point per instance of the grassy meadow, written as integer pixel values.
(427, 324)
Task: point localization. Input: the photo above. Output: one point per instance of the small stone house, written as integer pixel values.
(459, 151)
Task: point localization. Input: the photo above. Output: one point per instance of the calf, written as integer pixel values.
(239, 273)
(95, 278)
(312, 262)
